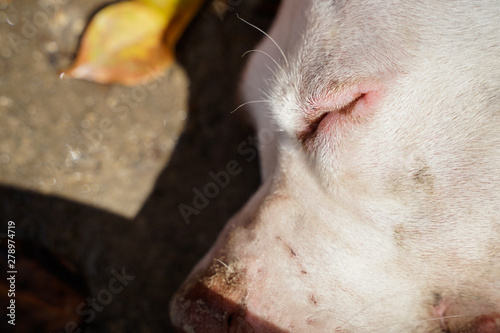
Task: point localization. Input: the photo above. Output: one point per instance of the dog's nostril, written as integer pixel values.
(230, 320)
(197, 308)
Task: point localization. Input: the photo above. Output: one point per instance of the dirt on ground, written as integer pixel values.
(94, 174)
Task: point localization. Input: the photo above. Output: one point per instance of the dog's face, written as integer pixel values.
(380, 204)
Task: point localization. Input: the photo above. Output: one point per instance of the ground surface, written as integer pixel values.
(102, 188)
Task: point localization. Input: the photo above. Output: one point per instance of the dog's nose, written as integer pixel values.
(198, 309)
(211, 302)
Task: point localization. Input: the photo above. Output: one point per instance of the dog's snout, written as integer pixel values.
(199, 310)
(211, 301)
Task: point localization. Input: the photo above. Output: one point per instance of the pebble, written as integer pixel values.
(5, 101)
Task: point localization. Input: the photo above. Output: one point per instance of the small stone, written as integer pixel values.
(5, 101)
(12, 20)
(51, 47)
(182, 114)
(86, 188)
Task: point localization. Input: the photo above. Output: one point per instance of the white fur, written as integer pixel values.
(393, 217)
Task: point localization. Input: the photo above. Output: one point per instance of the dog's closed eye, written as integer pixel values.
(329, 113)
(312, 124)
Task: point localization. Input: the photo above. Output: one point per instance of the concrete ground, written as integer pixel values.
(96, 173)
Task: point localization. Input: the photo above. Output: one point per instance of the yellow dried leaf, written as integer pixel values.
(128, 41)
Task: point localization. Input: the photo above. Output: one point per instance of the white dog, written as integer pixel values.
(380, 204)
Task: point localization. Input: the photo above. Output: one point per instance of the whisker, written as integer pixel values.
(265, 53)
(222, 263)
(441, 318)
(259, 29)
(250, 102)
